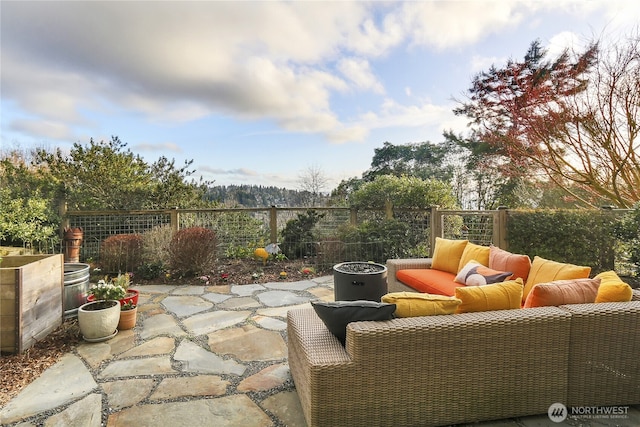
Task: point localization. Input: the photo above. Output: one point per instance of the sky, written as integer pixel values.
(262, 92)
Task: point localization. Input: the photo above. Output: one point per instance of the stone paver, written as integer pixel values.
(202, 385)
(86, 412)
(231, 411)
(196, 359)
(65, 382)
(125, 393)
(130, 368)
(207, 322)
(160, 324)
(246, 290)
(249, 343)
(270, 323)
(268, 378)
(280, 298)
(187, 305)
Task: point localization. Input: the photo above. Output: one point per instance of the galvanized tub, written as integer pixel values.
(76, 287)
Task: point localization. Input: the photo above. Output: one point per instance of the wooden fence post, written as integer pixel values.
(273, 224)
(500, 228)
(388, 209)
(353, 216)
(65, 223)
(436, 227)
(175, 220)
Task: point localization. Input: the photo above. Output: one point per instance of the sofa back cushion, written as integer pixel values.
(560, 292)
(473, 252)
(612, 288)
(498, 296)
(447, 254)
(545, 271)
(502, 260)
(413, 304)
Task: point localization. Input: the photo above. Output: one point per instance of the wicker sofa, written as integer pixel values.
(441, 370)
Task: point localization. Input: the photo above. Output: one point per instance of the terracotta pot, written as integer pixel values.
(98, 320)
(128, 319)
(72, 239)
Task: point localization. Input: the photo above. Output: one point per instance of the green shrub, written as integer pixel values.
(155, 246)
(628, 231)
(582, 237)
(298, 239)
(193, 251)
(121, 253)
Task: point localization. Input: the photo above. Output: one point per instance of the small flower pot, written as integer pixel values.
(98, 320)
(128, 319)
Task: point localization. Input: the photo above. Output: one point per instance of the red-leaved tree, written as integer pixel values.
(572, 120)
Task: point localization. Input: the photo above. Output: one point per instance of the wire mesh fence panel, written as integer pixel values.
(476, 227)
(98, 227)
(238, 231)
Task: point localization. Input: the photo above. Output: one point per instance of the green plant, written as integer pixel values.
(193, 251)
(155, 246)
(628, 231)
(121, 252)
(105, 290)
(150, 271)
(25, 221)
(128, 306)
(298, 233)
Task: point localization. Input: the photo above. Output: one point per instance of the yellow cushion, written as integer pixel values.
(612, 288)
(498, 296)
(545, 271)
(413, 304)
(447, 254)
(476, 253)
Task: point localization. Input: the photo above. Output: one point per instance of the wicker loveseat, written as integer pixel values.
(440, 370)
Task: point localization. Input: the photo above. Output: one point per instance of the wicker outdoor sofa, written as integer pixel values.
(441, 370)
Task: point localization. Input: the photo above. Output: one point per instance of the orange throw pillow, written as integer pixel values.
(545, 271)
(502, 260)
(560, 292)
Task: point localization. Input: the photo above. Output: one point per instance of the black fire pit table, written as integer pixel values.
(359, 281)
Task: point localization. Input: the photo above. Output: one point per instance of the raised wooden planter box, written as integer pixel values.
(31, 289)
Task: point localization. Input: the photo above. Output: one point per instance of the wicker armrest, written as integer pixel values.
(636, 295)
(394, 265)
(604, 367)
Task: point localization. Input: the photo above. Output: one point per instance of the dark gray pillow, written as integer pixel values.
(337, 315)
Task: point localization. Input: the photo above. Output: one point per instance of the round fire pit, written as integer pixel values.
(359, 281)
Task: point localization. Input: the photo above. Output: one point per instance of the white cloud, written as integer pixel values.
(358, 71)
(162, 147)
(450, 24)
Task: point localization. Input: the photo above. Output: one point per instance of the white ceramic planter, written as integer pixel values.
(99, 325)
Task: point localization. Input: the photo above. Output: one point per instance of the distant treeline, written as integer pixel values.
(251, 196)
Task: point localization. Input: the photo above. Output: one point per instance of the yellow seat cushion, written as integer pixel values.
(545, 271)
(447, 254)
(498, 296)
(612, 288)
(473, 252)
(412, 304)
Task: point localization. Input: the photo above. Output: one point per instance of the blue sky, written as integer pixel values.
(260, 92)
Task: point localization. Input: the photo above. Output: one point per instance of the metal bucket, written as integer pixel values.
(76, 287)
